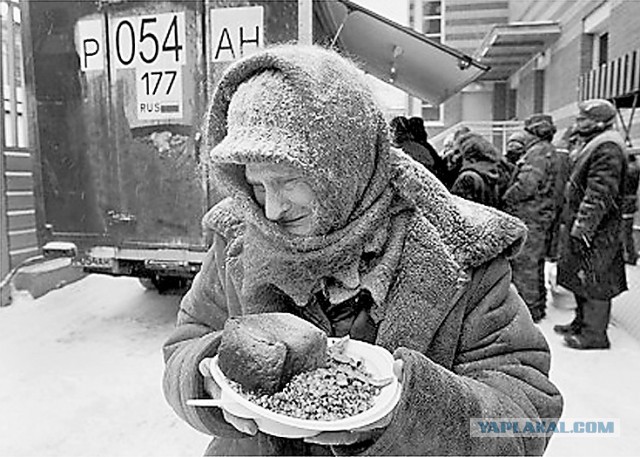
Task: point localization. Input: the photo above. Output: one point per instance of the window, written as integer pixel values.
(596, 26)
(432, 8)
(432, 20)
(412, 15)
(13, 91)
(599, 44)
(433, 27)
(603, 49)
(431, 113)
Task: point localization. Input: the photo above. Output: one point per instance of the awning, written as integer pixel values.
(506, 48)
(393, 53)
(617, 80)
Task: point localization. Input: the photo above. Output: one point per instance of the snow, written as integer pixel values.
(596, 385)
(82, 375)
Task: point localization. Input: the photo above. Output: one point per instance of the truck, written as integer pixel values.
(121, 87)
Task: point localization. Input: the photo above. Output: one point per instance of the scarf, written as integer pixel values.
(310, 109)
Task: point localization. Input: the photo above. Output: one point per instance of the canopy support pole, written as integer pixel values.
(335, 38)
(627, 126)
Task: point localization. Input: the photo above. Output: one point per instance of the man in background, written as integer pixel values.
(591, 263)
(533, 196)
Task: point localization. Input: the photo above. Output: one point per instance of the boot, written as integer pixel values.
(580, 342)
(572, 328)
(594, 326)
(575, 326)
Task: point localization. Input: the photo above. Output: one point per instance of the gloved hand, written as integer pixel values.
(247, 426)
(582, 247)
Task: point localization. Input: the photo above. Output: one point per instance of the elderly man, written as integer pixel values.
(591, 263)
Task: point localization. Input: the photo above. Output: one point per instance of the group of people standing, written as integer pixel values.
(578, 204)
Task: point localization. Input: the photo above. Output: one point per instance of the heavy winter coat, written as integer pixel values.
(591, 262)
(434, 265)
(429, 158)
(438, 320)
(480, 175)
(534, 195)
(630, 198)
(478, 182)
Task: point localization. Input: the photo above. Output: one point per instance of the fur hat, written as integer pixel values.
(540, 125)
(417, 129)
(475, 146)
(598, 110)
(520, 136)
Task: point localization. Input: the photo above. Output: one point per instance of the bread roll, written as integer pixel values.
(262, 352)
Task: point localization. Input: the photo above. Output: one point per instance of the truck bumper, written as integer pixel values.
(143, 263)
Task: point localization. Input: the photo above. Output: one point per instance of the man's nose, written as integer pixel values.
(275, 206)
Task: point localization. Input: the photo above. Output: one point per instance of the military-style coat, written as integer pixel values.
(533, 194)
(591, 262)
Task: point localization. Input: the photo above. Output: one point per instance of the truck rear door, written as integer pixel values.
(121, 89)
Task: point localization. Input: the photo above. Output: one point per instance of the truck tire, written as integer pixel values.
(148, 283)
(163, 284)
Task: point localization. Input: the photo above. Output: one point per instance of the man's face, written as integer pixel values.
(285, 196)
(584, 124)
(515, 150)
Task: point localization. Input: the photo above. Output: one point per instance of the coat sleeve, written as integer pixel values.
(500, 371)
(563, 169)
(602, 190)
(528, 178)
(203, 312)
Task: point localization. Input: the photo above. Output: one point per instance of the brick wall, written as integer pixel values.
(525, 94)
(562, 76)
(624, 28)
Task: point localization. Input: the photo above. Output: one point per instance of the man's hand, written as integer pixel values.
(349, 437)
(247, 426)
(582, 247)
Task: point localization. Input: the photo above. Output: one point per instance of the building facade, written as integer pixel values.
(461, 24)
(593, 52)
(18, 227)
(545, 56)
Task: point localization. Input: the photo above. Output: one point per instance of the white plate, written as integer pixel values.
(377, 360)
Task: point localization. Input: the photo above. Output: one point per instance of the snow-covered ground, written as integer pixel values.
(595, 385)
(81, 370)
(82, 374)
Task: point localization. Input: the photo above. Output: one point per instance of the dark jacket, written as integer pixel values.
(429, 158)
(630, 199)
(591, 262)
(534, 195)
(553, 234)
(480, 175)
(478, 181)
(475, 353)
(507, 171)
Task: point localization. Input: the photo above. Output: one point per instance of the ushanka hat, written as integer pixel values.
(305, 107)
(540, 125)
(598, 110)
(520, 136)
